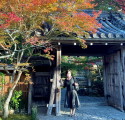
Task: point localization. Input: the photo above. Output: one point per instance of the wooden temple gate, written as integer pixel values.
(114, 68)
(108, 42)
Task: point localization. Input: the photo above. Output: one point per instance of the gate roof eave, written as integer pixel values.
(68, 40)
(112, 30)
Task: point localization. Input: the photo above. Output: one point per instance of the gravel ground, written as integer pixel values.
(92, 108)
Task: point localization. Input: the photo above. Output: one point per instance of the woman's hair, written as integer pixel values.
(68, 71)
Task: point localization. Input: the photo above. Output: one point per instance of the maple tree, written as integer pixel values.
(25, 23)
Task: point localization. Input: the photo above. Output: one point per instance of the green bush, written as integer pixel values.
(2, 100)
(15, 100)
(34, 113)
(18, 117)
(97, 86)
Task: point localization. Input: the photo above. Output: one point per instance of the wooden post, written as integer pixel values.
(119, 78)
(104, 76)
(55, 90)
(30, 98)
(58, 77)
(123, 74)
(52, 95)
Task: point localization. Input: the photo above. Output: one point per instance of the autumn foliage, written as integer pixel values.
(23, 17)
(65, 15)
(8, 19)
(86, 22)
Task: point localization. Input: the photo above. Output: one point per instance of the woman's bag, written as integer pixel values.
(77, 87)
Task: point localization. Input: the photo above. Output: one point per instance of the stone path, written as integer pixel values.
(92, 108)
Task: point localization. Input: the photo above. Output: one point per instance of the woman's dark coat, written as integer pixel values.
(71, 96)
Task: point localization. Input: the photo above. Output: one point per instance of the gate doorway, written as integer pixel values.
(41, 80)
(113, 71)
(41, 88)
(88, 71)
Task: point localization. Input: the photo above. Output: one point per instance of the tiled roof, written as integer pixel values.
(113, 25)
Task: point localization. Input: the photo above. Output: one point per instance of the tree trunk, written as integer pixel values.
(6, 104)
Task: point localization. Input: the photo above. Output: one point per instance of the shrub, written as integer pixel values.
(34, 113)
(15, 100)
(18, 117)
(97, 86)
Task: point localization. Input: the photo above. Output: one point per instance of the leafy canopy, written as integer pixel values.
(66, 15)
(19, 19)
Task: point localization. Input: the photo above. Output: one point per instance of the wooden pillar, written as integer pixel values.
(56, 90)
(123, 74)
(52, 95)
(104, 76)
(58, 77)
(30, 97)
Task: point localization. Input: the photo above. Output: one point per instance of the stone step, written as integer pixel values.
(94, 104)
(91, 104)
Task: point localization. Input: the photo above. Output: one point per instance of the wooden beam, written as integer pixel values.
(52, 105)
(58, 77)
(69, 40)
(119, 78)
(52, 95)
(114, 49)
(123, 72)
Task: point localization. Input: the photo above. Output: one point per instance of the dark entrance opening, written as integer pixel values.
(88, 71)
(41, 80)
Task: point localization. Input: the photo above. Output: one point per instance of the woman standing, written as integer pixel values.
(71, 97)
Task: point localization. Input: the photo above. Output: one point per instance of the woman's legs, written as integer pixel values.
(73, 111)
